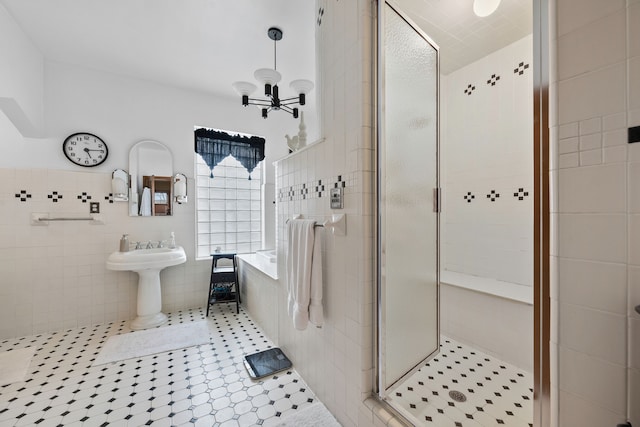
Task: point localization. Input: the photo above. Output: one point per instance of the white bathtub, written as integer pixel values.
(264, 261)
(269, 255)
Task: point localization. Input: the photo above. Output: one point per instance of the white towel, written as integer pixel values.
(145, 203)
(304, 274)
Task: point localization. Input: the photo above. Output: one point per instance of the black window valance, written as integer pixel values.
(214, 146)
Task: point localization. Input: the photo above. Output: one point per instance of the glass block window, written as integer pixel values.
(229, 208)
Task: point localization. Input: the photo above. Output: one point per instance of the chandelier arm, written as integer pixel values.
(292, 100)
(287, 109)
(264, 102)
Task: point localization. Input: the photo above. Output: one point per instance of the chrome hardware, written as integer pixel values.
(138, 245)
(160, 244)
(149, 245)
(436, 200)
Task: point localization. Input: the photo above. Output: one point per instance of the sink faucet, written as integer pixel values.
(138, 245)
(160, 244)
(149, 245)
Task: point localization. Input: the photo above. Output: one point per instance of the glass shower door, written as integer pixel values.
(407, 198)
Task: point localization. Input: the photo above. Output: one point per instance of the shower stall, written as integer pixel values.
(455, 227)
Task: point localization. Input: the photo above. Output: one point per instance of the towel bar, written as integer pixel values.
(45, 219)
(337, 223)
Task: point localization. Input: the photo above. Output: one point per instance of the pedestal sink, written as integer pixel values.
(147, 263)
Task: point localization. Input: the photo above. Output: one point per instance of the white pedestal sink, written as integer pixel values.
(147, 263)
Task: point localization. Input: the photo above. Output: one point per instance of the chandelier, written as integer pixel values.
(270, 77)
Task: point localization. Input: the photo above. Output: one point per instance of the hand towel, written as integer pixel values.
(304, 274)
(145, 203)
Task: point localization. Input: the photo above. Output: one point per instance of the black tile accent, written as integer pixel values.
(54, 196)
(493, 79)
(519, 70)
(469, 197)
(493, 195)
(319, 188)
(23, 195)
(84, 197)
(634, 134)
(469, 90)
(521, 194)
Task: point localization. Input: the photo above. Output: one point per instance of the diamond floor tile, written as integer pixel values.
(201, 385)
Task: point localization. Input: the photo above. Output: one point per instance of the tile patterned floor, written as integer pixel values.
(496, 394)
(205, 385)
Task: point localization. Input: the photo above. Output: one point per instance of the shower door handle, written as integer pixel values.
(638, 309)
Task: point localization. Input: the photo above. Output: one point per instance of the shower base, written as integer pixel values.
(464, 387)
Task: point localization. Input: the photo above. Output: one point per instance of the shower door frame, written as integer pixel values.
(379, 137)
(542, 411)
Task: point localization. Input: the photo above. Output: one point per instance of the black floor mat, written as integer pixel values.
(266, 362)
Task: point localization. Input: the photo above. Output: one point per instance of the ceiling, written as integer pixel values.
(464, 37)
(205, 45)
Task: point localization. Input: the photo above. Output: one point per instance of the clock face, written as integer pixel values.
(85, 149)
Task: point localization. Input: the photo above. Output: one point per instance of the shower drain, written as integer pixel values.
(457, 396)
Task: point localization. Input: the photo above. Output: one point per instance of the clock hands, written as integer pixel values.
(86, 150)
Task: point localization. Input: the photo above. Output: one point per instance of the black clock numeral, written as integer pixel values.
(72, 142)
(86, 162)
(86, 138)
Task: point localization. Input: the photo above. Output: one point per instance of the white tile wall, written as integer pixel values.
(336, 360)
(486, 142)
(502, 331)
(598, 235)
(54, 277)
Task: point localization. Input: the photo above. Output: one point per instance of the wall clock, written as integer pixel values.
(85, 149)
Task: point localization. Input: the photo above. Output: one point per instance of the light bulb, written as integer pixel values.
(244, 88)
(484, 8)
(267, 76)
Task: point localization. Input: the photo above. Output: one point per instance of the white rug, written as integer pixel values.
(316, 415)
(152, 341)
(14, 364)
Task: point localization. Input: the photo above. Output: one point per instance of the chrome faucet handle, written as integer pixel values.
(160, 244)
(138, 245)
(149, 245)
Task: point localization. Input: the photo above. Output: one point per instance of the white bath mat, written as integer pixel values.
(152, 341)
(316, 415)
(14, 365)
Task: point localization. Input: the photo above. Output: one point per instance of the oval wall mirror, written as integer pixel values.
(151, 170)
